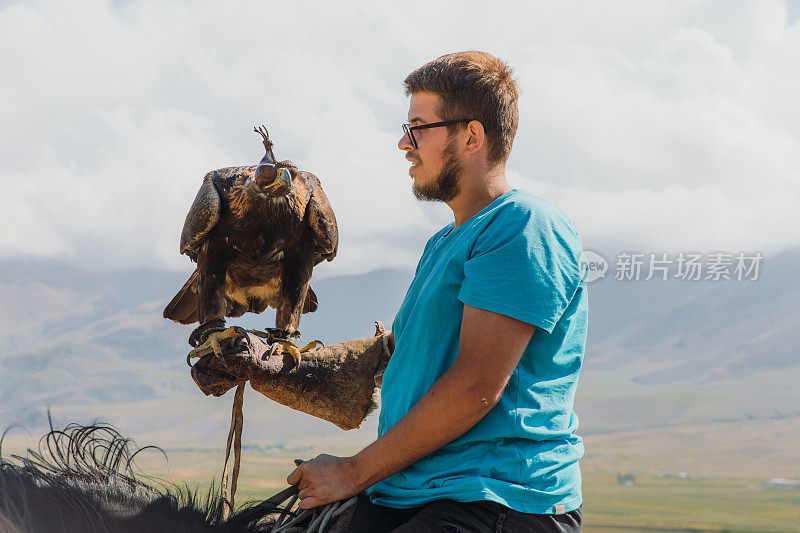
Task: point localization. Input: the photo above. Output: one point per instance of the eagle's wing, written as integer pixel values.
(203, 215)
(183, 307)
(322, 223)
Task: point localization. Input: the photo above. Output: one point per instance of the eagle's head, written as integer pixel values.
(274, 180)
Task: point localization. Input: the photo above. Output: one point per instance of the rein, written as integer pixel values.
(235, 438)
(318, 517)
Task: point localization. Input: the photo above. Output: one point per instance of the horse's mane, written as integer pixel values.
(81, 478)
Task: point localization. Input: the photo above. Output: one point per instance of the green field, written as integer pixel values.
(674, 504)
(651, 503)
(711, 477)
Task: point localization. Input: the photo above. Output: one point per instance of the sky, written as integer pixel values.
(655, 126)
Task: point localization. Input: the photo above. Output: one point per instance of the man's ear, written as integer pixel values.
(476, 137)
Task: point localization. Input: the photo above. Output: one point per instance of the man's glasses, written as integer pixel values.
(408, 129)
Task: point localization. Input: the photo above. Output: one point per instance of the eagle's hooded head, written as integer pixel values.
(275, 179)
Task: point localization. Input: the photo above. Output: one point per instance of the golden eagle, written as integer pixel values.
(256, 233)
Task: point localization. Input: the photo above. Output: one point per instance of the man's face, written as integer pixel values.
(436, 168)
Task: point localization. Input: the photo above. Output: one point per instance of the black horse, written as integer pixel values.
(81, 479)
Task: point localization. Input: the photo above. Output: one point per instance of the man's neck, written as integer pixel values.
(477, 192)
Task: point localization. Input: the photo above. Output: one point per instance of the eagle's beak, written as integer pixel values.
(285, 177)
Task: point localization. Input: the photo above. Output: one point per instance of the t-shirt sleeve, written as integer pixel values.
(524, 265)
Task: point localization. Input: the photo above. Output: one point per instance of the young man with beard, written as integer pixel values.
(476, 429)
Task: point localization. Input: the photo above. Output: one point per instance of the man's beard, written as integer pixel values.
(447, 184)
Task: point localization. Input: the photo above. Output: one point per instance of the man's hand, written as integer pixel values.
(323, 480)
(463, 395)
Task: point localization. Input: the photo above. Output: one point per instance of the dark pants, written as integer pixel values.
(448, 516)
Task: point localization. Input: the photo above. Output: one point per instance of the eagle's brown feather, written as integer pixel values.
(254, 250)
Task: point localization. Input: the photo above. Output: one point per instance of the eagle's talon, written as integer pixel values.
(243, 332)
(212, 343)
(294, 352)
(274, 349)
(214, 340)
(312, 345)
(286, 346)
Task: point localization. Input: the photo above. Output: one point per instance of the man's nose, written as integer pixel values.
(405, 143)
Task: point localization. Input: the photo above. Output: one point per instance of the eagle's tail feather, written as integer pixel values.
(310, 304)
(183, 307)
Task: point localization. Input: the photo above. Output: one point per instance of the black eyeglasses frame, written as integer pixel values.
(408, 129)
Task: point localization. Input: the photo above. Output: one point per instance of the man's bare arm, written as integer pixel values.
(490, 347)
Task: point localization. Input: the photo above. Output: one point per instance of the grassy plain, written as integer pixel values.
(652, 503)
(690, 478)
(689, 504)
(694, 478)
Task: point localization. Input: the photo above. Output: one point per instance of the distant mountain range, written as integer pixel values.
(676, 352)
(93, 344)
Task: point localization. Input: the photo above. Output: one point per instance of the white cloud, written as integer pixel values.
(666, 124)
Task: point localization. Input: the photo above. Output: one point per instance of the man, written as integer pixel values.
(476, 429)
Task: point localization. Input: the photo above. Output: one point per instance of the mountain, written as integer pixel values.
(93, 344)
(684, 352)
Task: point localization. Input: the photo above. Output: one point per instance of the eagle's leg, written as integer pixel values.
(212, 261)
(201, 332)
(296, 271)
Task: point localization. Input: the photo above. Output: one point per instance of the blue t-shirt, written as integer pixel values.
(519, 256)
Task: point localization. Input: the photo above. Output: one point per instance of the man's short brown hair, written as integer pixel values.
(473, 85)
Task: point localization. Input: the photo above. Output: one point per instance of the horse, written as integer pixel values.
(82, 478)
